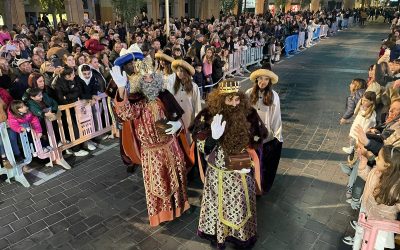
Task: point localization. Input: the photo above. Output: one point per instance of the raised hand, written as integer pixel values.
(217, 127)
(119, 78)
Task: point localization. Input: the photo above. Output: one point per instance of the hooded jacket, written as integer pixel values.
(15, 123)
(89, 87)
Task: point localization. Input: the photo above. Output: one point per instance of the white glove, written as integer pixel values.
(217, 127)
(119, 78)
(175, 127)
(242, 171)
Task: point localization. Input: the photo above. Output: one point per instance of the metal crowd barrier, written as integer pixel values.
(16, 170)
(88, 121)
(324, 31)
(316, 33)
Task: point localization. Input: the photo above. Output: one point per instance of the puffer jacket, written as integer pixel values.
(66, 92)
(351, 103)
(15, 123)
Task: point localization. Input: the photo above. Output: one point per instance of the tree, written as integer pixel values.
(127, 9)
(228, 5)
(53, 7)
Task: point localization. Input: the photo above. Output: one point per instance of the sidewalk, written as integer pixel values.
(97, 205)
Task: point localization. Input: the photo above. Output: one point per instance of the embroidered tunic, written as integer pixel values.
(163, 162)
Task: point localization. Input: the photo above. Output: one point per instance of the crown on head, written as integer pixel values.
(228, 86)
(144, 67)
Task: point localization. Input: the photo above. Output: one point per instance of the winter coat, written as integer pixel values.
(199, 79)
(66, 92)
(20, 85)
(351, 103)
(93, 46)
(89, 88)
(37, 110)
(5, 96)
(217, 72)
(16, 123)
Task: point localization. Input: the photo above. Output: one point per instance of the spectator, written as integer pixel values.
(20, 84)
(93, 45)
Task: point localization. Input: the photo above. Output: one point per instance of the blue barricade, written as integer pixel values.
(291, 43)
(316, 33)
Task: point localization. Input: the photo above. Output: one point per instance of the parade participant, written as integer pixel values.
(154, 118)
(266, 101)
(164, 66)
(227, 132)
(185, 91)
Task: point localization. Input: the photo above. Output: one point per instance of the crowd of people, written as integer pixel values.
(373, 162)
(155, 88)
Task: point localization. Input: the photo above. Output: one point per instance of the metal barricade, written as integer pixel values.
(16, 170)
(316, 33)
(301, 39)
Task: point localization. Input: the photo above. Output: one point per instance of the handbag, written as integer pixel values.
(239, 161)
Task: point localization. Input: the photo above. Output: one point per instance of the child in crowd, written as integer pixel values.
(357, 89)
(366, 118)
(380, 199)
(20, 119)
(43, 106)
(199, 77)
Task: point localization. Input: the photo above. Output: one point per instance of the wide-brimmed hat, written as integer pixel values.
(164, 57)
(264, 72)
(181, 63)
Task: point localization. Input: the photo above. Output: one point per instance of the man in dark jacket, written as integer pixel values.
(198, 44)
(20, 84)
(217, 72)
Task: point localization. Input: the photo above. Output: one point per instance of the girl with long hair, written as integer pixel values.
(381, 196)
(266, 101)
(164, 67)
(185, 91)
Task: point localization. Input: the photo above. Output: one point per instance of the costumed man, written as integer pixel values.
(266, 101)
(153, 118)
(227, 132)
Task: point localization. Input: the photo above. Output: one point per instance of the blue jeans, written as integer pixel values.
(13, 136)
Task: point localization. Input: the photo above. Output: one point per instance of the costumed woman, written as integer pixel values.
(266, 101)
(185, 91)
(154, 118)
(164, 61)
(227, 132)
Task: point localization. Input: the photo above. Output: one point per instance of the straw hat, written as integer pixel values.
(164, 57)
(181, 63)
(264, 72)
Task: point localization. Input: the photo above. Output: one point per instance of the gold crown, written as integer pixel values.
(144, 67)
(228, 86)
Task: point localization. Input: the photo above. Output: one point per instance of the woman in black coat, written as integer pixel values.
(217, 72)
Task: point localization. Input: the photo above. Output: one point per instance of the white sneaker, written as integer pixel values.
(353, 224)
(81, 153)
(348, 240)
(68, 152)
(91, 147)
(348, 150)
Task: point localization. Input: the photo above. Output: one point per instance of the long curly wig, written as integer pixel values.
(236, 137)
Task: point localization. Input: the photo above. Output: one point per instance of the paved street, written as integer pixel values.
(97, 205)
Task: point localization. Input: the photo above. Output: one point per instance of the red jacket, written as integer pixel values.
(93, 46)
(16, 123)
(5, 96)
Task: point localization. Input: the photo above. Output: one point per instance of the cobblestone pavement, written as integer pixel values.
(97, 205)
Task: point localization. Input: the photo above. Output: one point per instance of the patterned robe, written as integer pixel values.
(228, 208)
(163, 161)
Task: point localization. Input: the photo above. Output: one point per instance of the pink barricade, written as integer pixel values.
(89, 120)
(372, 227)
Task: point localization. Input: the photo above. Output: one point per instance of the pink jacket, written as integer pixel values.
(16, 123)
